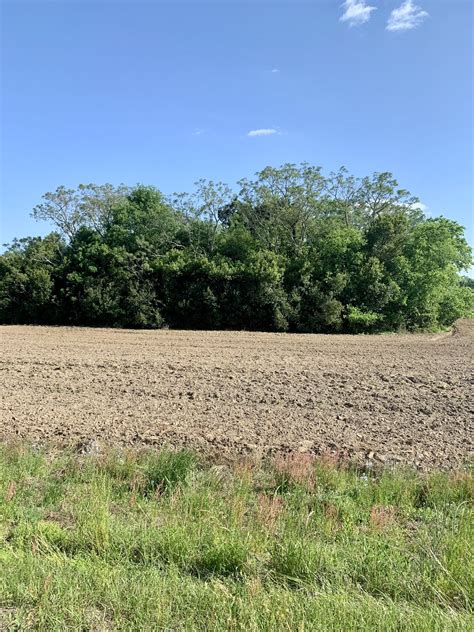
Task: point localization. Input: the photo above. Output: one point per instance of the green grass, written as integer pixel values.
(160, 541)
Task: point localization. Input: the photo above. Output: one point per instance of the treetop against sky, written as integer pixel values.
(165, 93)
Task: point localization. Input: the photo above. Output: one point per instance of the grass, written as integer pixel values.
(160, 541)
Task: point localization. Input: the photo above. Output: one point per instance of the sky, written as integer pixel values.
(164, 93)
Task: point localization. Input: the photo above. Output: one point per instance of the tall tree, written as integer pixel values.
(87, 205)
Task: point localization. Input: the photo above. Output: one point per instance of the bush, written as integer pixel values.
(360, 320)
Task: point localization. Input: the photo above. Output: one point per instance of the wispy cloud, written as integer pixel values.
(198, 132)
(264, 131)
(275, 70)
(356, 12)
(406, 17)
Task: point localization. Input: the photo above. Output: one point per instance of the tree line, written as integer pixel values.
(290, 250)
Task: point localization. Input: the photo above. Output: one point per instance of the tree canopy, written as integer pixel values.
(290, 250)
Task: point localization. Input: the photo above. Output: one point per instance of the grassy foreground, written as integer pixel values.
(159, 541)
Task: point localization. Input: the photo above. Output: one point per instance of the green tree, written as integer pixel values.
(87, 205)
(436, 252)
(28, 274)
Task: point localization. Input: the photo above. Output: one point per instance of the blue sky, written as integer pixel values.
(164, 93)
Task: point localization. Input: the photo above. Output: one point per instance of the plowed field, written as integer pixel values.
(389, 399)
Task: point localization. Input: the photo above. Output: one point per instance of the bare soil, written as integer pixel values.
(389, 398)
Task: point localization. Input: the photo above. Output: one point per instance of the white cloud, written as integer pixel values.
(198, 132)
(356, 12)
(275, 70)
(406, 17)
(420, 206)
(265, 131)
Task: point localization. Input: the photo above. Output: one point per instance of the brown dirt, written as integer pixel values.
(391, 398)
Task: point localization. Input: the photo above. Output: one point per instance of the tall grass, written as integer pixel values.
(159, 541)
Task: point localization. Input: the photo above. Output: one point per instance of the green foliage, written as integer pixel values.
(293, 250)
(167, 469)
(86, 543)
(29, 272)
(467, 282)
(358, 319)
